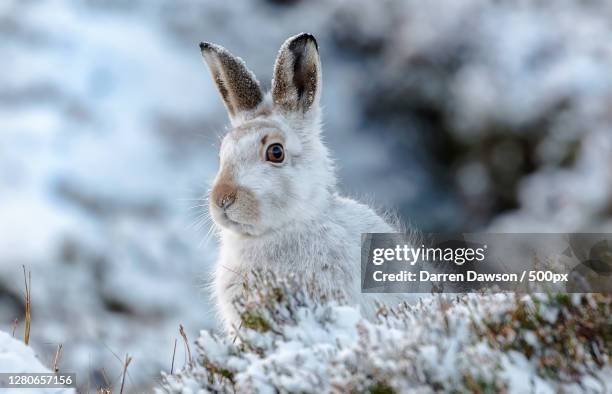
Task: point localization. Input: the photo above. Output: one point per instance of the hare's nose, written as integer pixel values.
(224, 195)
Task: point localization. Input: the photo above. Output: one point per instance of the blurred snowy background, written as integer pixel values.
(459, 115)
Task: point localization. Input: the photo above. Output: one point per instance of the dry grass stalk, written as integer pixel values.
(15, 323)
(28, 304)
(126, 364)
(237, 333)
(106, 381)
(173, 355)
(182, 332)
(56, 359)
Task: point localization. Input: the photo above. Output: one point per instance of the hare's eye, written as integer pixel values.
(275, 153)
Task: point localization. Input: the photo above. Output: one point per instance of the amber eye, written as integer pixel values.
(275, 153)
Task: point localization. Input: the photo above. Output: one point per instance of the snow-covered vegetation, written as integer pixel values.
(291, 340)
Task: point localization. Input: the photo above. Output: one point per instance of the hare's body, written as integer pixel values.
(275, 199)
(325, 248)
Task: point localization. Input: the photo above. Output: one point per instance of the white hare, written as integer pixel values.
(274, 198)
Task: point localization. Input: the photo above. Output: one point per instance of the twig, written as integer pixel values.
(126, 364)
(106, 381)
(15, 323)
(58, 355)
(88, 373)
(28, 304)
(237, 332)
(173, 354)
(182, 332)
(119, 360)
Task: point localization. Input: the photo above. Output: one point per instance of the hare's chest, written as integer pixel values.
(303, 254)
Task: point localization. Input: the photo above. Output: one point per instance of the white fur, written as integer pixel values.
(325, 248)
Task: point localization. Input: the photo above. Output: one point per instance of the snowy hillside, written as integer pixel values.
(16, 357)
(291, 341)
(506, 104)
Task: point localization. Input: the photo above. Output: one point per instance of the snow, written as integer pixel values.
(519, 371)
(16, 357)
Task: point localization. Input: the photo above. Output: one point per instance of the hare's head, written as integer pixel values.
(274, 169)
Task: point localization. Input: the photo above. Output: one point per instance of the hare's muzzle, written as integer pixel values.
(224, 195)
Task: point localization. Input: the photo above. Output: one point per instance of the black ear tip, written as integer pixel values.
(305, 37)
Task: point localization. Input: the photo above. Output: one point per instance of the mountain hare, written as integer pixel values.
(274, 198)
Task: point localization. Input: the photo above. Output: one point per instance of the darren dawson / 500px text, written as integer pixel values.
(426, 276)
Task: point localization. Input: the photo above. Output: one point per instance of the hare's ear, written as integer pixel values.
(296, 86)
(237, 85)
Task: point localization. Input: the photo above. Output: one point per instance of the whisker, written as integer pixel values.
(198, 206)
(208, 236)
